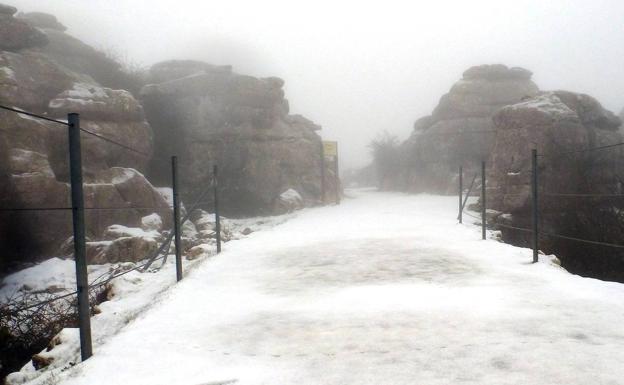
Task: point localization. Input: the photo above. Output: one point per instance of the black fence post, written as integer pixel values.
(461, 192)
(80, 253)
(534, 207)
(337, 172)
(176, 217)
(216, 210)
(483, 202)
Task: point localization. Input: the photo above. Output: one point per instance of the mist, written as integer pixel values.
(361, 68)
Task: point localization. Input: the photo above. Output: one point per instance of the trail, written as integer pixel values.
(383, 289)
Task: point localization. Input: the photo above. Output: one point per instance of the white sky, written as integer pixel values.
(359, 67)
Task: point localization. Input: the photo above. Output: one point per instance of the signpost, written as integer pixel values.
(330, 152)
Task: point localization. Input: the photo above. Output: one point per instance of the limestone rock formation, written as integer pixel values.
(459, 131)
(16, 34)
(562, 126)
(210, 115)
(73, 54)
(35, 162)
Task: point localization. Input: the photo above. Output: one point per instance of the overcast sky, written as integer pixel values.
(360, 67)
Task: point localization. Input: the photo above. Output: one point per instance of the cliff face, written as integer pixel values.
(35, 162)
(210, 115)
(562, 126)
(459, 131)
(205, 114)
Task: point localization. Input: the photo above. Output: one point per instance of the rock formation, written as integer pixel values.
(35, 163)
(210, 115)
(79, 57)
(561, 126)
(459, 131)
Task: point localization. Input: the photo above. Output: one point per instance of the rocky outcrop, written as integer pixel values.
(34, 78)
(16, 34)
(210, 115)
(562, 126)
(459, 131)
(74, 55)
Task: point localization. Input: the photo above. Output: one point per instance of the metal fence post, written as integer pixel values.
(80, 253)
(534, 207)
(176, 217)
(322, 174)
(461, 192)
(216, 210)
(483, 202)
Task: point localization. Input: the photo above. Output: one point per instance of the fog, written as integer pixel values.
(358, 68)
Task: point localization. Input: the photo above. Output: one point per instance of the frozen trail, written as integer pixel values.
(384, 289)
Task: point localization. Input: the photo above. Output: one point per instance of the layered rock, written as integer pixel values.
(562, 126)
(35, 165)
(16, 34)
(71, 53)
(209, 115)
(459, 131)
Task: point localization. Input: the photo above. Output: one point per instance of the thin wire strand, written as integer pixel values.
(513, 227)
(582, 195)
(35, 208)
(20, 111)
(582, 150)
(116, 143)
(582, 240)
(458, 133)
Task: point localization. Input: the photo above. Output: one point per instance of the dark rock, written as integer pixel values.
(561, 125)
(42, 20)
(16, 34)
(7, 10)
(240, 123)
(458, 131)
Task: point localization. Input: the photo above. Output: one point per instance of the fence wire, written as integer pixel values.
(6, 310)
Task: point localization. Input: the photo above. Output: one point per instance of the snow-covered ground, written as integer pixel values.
(383, 289)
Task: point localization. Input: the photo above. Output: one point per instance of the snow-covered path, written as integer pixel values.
(384, 289)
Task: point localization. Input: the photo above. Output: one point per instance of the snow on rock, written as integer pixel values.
(152, 222)
(167, 194)
(120, 231)
(127, 295)
(199, 250)
(290, 200)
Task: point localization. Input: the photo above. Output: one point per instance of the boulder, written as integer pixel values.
(460, 129)
(152, 222)
(53, 79)
(289, 201)
(42, 20)
(7, 10)
(562, 126)
(16, 34)
(126, 249)
(239, 123)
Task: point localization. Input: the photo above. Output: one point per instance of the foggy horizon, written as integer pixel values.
(357, 70)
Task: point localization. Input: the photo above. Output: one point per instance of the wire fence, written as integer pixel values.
(575, 199)
(85, 296)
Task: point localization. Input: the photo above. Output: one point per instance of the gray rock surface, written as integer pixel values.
(562, 126)
(35, 166)
(16, 34)
(210, 115)
(458, 130)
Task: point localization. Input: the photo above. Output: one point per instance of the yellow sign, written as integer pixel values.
(330, 148)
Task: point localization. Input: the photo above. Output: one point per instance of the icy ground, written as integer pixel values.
(384, 289)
